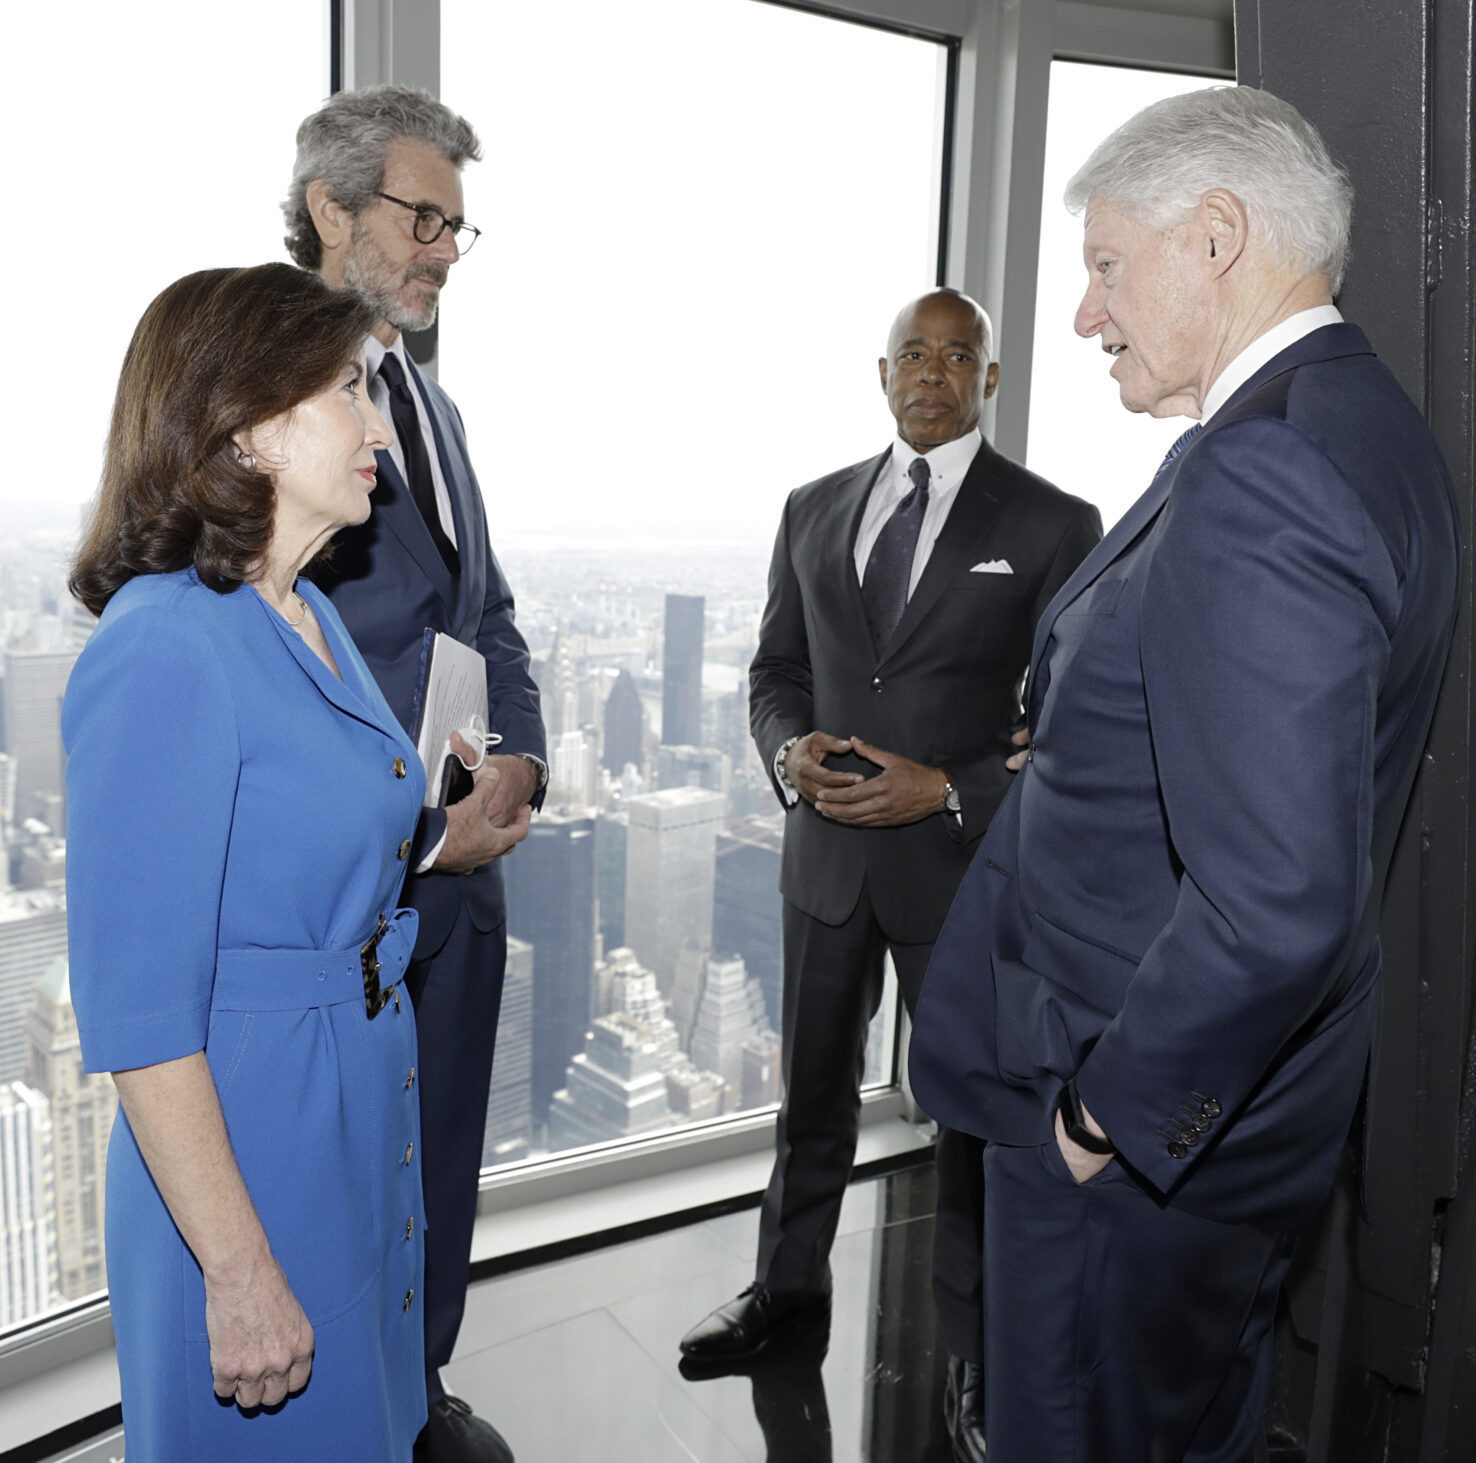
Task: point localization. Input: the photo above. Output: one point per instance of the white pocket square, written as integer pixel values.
(992, 566)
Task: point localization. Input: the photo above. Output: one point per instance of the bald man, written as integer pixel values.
(903, 598)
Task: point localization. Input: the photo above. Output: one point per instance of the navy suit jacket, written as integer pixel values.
(1179, 900)
(389, 583)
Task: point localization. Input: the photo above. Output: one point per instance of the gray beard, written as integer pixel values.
(366, 270)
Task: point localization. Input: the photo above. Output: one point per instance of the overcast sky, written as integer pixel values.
(687, 269)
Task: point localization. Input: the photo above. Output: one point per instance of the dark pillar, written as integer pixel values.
(1380, 1340)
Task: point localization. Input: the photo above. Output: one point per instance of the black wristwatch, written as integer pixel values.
(1074, 1121)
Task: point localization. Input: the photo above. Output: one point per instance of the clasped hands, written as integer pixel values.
(493, 816)
(903, 792)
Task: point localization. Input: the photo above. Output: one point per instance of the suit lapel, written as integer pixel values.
(467, 513)
(396, 510)
(355, 694)
(976, 507)
(1328, 342)
(1121, 534)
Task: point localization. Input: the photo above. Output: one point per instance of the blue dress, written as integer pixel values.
(238, 821)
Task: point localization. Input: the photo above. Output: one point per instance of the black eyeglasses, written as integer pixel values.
(431, 223)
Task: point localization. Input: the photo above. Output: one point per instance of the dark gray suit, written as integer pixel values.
(945, 692)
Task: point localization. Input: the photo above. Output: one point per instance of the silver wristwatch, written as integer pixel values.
(779, 758)
(951, 802)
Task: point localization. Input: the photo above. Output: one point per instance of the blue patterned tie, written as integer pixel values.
(1180, 444)
(889, 569)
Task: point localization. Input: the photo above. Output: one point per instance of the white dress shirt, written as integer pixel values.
(1261, 350)
(947, 466)
(379, 395)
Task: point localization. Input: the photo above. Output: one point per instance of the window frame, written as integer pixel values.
(993, 143)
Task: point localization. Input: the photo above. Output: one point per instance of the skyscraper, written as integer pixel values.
(681, 671)
(746, 907)
(82, 1109)
(762, 1075)
(615, 1087)
(625, 726)
(551, 905)
(558, 688)
(730, 1013)
(611, 833)
(683, 766)
(35, 681)
(27, 1256)
(33, 932)
(669, 875)
(509, 1129)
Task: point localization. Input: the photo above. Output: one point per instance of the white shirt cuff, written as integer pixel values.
(424, 866)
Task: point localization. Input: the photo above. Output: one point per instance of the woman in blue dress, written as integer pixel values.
(240, 807)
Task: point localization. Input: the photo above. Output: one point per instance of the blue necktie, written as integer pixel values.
(1180, 443)
(889, 569)
(418, 478)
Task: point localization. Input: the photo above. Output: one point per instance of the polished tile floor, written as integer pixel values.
(578, 1360)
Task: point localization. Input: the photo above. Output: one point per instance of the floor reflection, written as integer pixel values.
(579, 1359)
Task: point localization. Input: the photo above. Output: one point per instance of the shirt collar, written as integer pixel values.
(1262, 349)
(375, 351)
(947, 464)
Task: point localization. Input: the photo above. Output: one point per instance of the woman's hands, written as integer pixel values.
(261, 1343)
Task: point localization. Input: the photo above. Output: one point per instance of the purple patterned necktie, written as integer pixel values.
(889, 569)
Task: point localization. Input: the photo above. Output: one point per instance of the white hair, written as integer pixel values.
(1157, 166)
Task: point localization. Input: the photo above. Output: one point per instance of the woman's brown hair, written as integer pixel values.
(215, 354)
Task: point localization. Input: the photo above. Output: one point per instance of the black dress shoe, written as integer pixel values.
(453, 1433)
(963, 1408)
(748, 1322)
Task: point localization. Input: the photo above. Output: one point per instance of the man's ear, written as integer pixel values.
(330, 218)
(881, 366)
(991, 380)
(1226, 229)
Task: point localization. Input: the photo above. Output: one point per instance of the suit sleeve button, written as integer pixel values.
(404, 850)
(409, 1152)
(409, 1226)
(1177, 1150)
(409, 1296)
(1211, 1109)
(409, 1081)
(399, 766)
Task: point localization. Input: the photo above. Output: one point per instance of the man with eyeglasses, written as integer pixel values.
(376, 206)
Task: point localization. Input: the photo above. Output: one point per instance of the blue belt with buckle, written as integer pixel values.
(296, 980)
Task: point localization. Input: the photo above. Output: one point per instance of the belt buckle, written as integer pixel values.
(375, 999)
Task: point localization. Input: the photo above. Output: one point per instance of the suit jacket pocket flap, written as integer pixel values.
(1097, 975)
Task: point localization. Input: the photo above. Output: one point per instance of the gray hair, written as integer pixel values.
(345, 143)
(1157, 166)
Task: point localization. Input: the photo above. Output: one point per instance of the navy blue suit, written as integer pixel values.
(389, 583)
(1178, 902)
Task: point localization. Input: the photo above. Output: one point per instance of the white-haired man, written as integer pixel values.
(1156, 988)
(375, 205)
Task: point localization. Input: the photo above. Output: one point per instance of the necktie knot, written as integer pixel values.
(920, 473)
(413, 449)
(393, 375)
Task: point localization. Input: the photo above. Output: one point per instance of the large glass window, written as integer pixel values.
(168, 150)
(699, 221)
(1081, 437)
